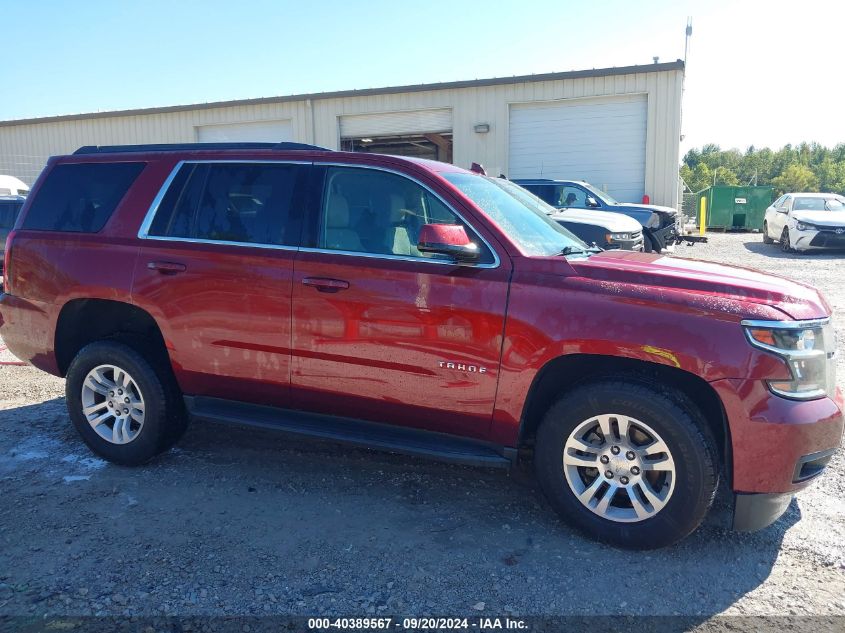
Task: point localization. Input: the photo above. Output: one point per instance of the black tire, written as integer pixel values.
(766, 238)
(164, 421)
(785, 244)
(682, 428)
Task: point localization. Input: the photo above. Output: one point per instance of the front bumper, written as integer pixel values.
(776, 446)
(665, 236)
(818, 238)
(754, 512)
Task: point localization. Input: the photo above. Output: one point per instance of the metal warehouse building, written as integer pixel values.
(618, 128)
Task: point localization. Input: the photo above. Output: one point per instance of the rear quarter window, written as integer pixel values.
(81, 197)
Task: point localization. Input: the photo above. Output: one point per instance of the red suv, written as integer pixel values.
(415, 307)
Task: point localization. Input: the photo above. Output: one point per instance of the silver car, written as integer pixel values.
(806, 221)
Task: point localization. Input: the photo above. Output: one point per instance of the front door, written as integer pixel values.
(780, 218)
(383, 332)
(215, 271)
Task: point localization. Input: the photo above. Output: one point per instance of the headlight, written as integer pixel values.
(809, 349)
(616, 236)
(803, 226)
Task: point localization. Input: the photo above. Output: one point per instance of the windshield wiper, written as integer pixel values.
(574, 250)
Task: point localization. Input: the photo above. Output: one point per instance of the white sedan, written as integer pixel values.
(806, 221)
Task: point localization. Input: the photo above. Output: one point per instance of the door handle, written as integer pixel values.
(324, 284)
(167, 268)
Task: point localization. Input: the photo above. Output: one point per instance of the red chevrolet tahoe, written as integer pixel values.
(415, 307)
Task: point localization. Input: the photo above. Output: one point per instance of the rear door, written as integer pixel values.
(215, 271)
(383, 332)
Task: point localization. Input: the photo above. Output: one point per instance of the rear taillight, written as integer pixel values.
(7, 264)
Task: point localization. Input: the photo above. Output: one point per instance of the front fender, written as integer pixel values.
(552, 316)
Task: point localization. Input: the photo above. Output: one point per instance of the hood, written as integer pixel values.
(656, 272)
(820, 218)
(650, 207)
(613, 222)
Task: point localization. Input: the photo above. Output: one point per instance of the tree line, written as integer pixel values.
(804, 167)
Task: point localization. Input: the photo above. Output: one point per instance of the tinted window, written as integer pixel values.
(560, 195)
(546, 193)
(80, 198)
(371, 211)
(236, 202)
(9, 213)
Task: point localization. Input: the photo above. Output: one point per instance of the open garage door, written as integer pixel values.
(599, 140)
(276, 131)
(420, 133)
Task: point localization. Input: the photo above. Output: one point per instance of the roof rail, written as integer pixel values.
(181, 147)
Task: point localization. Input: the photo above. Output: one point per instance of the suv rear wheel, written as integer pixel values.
(126, 410)
(628, 464)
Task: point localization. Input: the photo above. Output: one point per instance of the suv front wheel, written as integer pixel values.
(126, 410)
(629, 464)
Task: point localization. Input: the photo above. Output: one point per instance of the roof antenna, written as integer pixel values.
(686, 40)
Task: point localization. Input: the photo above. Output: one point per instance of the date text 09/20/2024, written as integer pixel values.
(424, 623)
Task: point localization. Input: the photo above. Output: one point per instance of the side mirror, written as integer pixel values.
(782, 210)
(448, 239)
(592, 202)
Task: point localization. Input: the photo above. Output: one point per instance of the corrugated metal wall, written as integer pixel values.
(25, 147)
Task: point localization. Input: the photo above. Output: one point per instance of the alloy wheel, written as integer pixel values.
(619, 468)
(113, 404)
(784, 241)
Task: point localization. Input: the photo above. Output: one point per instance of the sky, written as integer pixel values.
(761, 73)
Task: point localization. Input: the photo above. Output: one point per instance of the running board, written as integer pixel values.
(384, 437)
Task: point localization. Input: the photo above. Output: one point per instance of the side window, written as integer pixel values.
(779, 202)
(371, 211)
(248, 203)
(569, 196)
(787, 203)
(80, 197)
(546, 193)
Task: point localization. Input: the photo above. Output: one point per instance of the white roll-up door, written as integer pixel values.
(275, 131)
(396, 123)
(602, 141)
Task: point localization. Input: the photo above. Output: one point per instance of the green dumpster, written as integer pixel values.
(730, 207)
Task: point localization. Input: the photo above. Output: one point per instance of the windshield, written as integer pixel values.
(523, 220)
(818, 204)
(598, 193)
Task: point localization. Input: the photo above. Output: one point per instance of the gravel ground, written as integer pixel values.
(243, 522)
